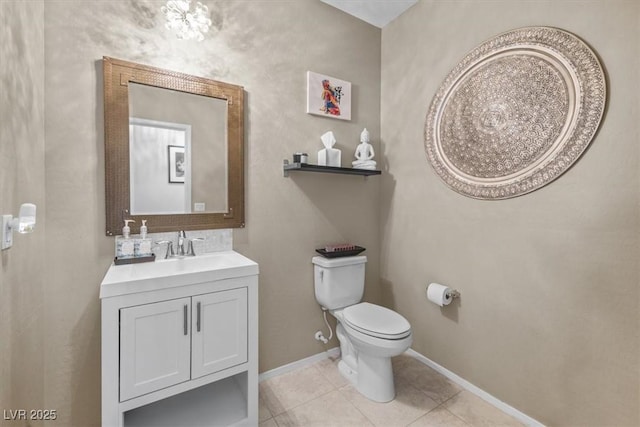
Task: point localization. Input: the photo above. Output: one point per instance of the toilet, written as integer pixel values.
(369, 335)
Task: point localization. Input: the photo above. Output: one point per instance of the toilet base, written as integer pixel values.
(348, 373)
(375, 378)
(372, 376)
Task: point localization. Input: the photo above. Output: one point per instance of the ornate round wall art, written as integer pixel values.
(515, 113)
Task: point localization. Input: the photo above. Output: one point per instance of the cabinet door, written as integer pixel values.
(154, 346)
(219, 331)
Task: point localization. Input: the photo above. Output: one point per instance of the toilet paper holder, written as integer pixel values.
(441, 295)
(453, 293)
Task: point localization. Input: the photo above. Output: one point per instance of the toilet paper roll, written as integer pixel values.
(439, 294)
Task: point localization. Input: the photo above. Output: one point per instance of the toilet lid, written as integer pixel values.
(376, 321)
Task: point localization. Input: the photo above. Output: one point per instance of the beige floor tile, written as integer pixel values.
(329, 410)
(263, 411)
(289, 390)
(477, 412)
(409, 405)
(409, 370)
(329, 368)
(439, 417)
(268, 423)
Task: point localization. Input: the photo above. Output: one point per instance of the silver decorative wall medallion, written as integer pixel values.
(515, 113)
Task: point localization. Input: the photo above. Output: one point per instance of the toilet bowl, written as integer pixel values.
(369, 334)
(367, 347)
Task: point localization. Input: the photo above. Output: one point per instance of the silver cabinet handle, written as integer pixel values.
(198, 316)
(186, 319)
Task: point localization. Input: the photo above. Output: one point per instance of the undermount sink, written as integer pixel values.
(174, 272)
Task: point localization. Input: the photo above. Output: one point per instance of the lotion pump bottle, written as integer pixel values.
(142, 247)
(124, 244)
(126, 230)
(143, 229)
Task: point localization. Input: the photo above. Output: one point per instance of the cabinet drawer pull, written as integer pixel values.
(198, 317)
(186, 315)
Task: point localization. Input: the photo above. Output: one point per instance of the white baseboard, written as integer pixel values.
(332, 352)
(507, 409)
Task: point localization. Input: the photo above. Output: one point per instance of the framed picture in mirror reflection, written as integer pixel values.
(176, 164)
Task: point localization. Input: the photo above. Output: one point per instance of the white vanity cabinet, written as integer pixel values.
(155, 348)
(179, 342)
(219, 338)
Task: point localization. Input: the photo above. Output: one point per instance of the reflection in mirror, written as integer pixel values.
(174, 150)
(159, 159)
(204, 185)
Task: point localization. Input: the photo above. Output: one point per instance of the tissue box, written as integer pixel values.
(330, 157)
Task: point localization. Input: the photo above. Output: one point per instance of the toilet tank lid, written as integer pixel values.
(338, 262)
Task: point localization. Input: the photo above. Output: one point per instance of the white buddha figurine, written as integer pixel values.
(364, 153)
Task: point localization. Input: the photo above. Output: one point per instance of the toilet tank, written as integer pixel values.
(338, 282)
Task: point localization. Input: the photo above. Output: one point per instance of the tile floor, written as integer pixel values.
(317, 395)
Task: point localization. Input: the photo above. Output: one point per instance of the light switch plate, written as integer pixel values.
(7, 232)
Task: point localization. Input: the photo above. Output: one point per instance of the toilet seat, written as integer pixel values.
(376, 321)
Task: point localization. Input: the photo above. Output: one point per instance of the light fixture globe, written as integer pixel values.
(187, 23)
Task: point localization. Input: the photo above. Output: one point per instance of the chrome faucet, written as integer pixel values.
(182, 236)
(180, 247)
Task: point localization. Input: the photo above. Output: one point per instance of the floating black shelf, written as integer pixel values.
(305, 167)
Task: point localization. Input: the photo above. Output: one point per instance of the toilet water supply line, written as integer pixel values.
(319, 336)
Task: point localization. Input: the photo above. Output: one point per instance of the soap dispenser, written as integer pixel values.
(142, 246)
(124, 243)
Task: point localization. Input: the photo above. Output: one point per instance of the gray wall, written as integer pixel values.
(22, 180)
(548, 319)
(265, 46)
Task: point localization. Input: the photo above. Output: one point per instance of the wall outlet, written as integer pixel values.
(199, 207)
(7, 232)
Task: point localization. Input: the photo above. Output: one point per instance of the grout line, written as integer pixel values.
(364, 415)
(303, 403)
(354, 405)
(427, 396)
(300, 364)
(492, 400)
(441, 406)
(344, 398)
(452, 396)
(456, 416)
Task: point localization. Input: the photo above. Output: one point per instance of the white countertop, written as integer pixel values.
(167, 273)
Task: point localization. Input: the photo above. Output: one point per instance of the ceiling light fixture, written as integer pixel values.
(187, 23)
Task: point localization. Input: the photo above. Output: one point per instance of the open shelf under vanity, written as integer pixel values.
(221, 403)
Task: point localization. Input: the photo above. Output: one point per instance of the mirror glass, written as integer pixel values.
(174, 149)
(177, 152)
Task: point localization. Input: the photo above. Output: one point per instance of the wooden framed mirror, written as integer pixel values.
(174, 149)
